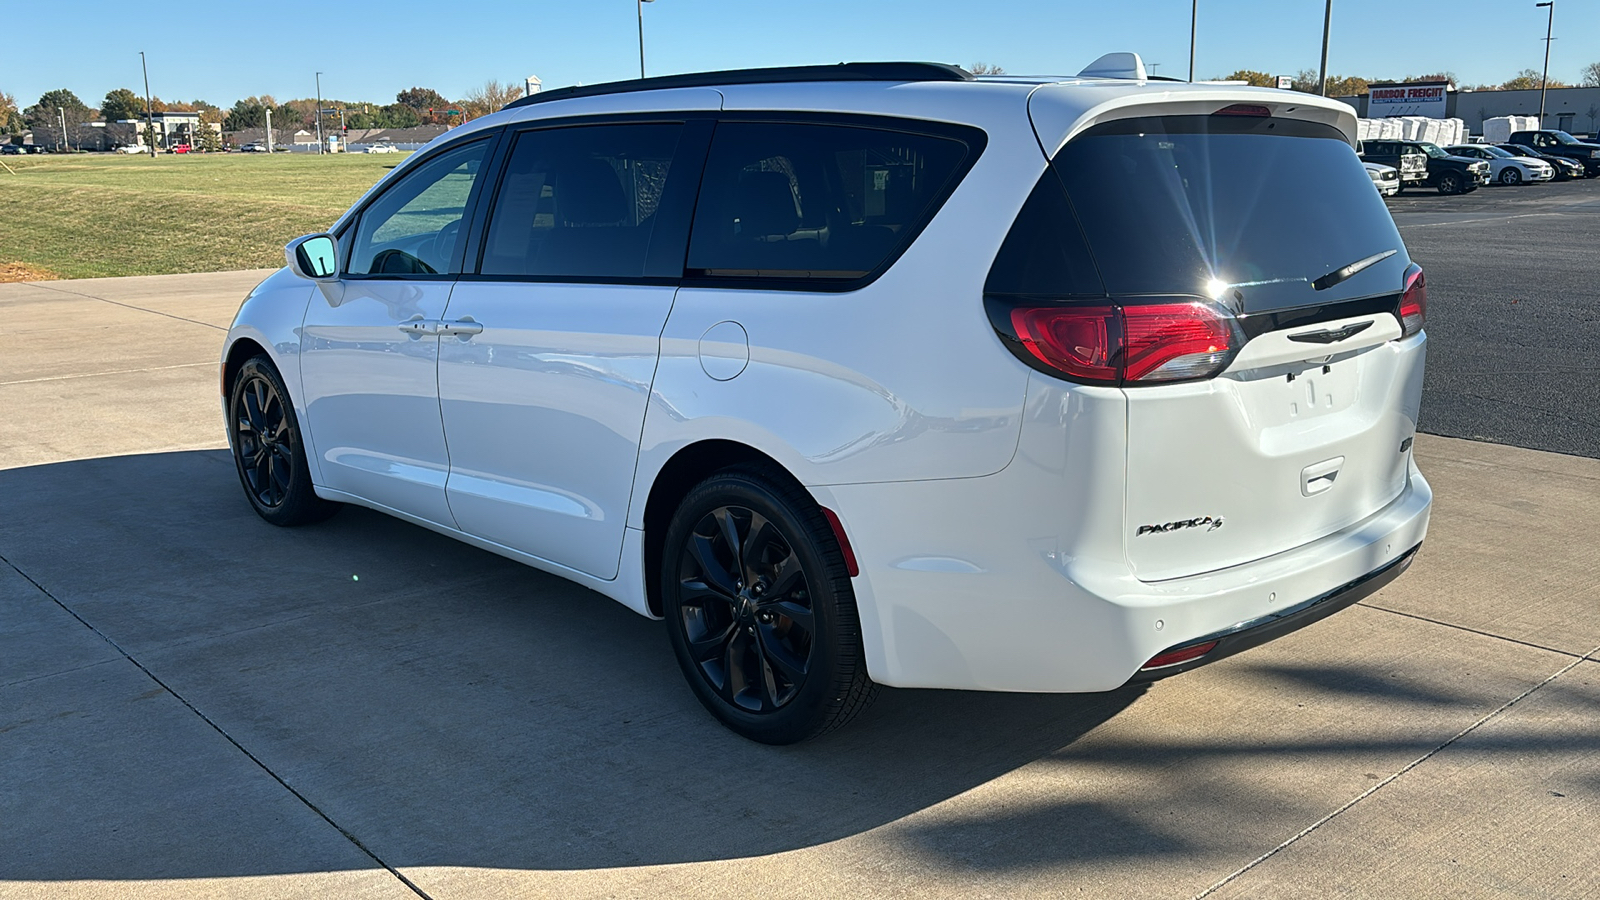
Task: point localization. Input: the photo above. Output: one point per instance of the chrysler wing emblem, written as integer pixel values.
(1331, 335)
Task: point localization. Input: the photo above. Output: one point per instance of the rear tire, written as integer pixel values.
(759, 608)
(267, 449)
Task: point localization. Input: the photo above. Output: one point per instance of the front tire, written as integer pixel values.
(1511, 175)
(1449, 183)
(267, 448)
(759, 608)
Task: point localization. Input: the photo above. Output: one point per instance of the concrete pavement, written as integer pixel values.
(193, 703)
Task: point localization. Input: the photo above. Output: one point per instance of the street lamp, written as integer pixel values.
(1544, 78)
(149, 114)
(63, 114)
(641, 4)
(1322, 74)
(1194, 18)
(320, 148)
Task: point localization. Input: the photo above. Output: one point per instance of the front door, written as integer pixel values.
(370, 343)
(549, 351)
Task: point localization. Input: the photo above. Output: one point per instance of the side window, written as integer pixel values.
(582, 201)
(819, 202)
(414, 226)
(1044, 254)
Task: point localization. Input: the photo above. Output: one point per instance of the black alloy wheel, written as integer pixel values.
(1510, 175)
(759, 609)
(267, 450)
(1449, 183)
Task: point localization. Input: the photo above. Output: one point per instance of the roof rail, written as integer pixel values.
(857, 71)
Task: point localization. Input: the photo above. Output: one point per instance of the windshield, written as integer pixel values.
(1563, 138)
(1432, 150)
(1244, 209)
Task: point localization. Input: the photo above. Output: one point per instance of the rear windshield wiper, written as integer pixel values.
(1338, 275)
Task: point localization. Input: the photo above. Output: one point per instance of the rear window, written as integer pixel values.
(1250, 209)
(815, 202)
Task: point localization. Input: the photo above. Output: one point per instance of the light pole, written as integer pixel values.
(149, 114)
(63, 114)
(1322, 74)
(1194, 19)
(320, 148)
(269, 130)
(641, 4)
(1544, 78)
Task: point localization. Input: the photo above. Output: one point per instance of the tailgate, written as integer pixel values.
(1271, 220)
(1286, 446)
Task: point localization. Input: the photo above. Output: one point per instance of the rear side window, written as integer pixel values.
(1044, 254)
(1254, 210)
(581, 202)
(817, 202)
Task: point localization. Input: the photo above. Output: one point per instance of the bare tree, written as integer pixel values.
(1305, 81)
(1590, 75)
(981, 68)
(492, 97)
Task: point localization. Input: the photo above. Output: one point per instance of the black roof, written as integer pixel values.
(860, 71)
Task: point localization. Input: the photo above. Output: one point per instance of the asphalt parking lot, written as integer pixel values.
(1514, 280)
(193, 703)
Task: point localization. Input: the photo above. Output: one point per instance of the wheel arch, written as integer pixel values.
(240, 351)
(686, 468)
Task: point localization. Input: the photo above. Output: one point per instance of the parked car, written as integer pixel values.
(1506, 168)
(1559, 143)
(750, 363)
(383, 147)
(1385, 178)
(1407, 159)
(178, 148)
(253, 147)
(1453, 174)
(11, 150)
(1565, 169)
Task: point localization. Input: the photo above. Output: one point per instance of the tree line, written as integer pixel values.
(1354, 85)
(412, 107)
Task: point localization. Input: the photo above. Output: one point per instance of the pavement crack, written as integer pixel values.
(55, 673)
(1228, 879)
(103, 374)
(1487, 634)
(225, 735)
(45, 286)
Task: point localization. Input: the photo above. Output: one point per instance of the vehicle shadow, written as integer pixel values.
(440, 704)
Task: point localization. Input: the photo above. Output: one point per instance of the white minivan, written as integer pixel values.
(877, 373)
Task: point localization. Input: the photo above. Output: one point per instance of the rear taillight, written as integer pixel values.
(1125, 345)
(1078, 340)
(1413, 302)
(1175, 342)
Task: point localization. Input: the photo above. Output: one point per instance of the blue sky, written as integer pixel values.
(220, 52)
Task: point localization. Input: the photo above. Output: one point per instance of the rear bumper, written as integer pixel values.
(984, 583)
(1272, 626)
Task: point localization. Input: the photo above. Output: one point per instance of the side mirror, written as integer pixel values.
(314, 256)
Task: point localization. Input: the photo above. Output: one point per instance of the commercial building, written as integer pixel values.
(1570, 109)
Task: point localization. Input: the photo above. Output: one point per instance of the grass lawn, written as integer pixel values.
(87, 216)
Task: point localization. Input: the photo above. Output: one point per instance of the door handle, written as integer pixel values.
(420, 326)
(1318, 478)
(465, 327)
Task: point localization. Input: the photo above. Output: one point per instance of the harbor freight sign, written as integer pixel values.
(1422, 98)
